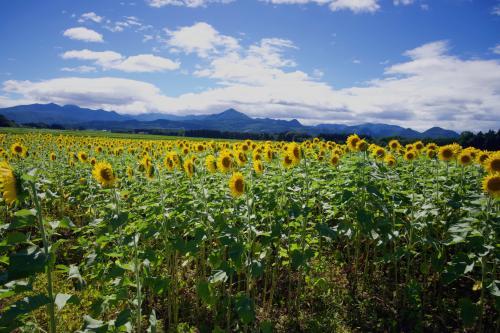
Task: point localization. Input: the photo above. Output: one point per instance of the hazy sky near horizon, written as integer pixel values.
(415, 63)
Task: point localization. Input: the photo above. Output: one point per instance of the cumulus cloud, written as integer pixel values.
(431, 88)
(200, 38)
(496, 10)
(83, 34)
(108, 60)
(79, 69)
(185, 3)
(90, 16)
(356, 6)
(496, 49)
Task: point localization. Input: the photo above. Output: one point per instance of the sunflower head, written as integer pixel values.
(211, 163)
(390, 160)
(225, 161)
(52, 156)
(394, 145)
(410, 155)
(10, 184)
(82, 156)
(258, 166)
(446, 153)
(18, 150)
(188, 166)
(492, 164)
(352, 141)
(491, 185)
(237, 184)
(287, 160)
(334, 160)
(103, 173)
(130, 172)
(362, 145)
(465, 158)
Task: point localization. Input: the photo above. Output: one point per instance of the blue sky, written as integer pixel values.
(414, 63)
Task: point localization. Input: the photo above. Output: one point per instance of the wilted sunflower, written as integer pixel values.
(8, 183)
(224, 162)
(211, 163)
(492, 164)
(446, 153)
(103, 173)
(237, 184)
(258, 167)
(188, 167)
(465, 158)
(491, 185)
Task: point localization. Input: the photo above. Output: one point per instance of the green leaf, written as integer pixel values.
(245, 309)
(25, 263)
(93, 325)
(22, 307)
(14, 238)
(205, 293)
(468, 311)
(23, 218)
(123, 318)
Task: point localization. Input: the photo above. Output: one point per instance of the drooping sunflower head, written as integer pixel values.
(211, 163)
(491, 185)
(446, 153)
(149, 172)
(103, 173)
(9, 183)
(237, 184)
(465, 158)
(492, 164)
(258, 166)
(188, 167)
(295, 152)
(287, 160)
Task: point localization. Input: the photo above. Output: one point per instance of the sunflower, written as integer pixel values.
(211, 163)
(287, 160)
(394, 145)
(431, 153)
(362, 145)
(237, 184)
(379, 153)
(130, 172)
(410, 155)
(188, 167)
(492, 164)
(295, 152)
(334, 160)
(225, 161)
(52, 156)
(269, 154)
(352, 141)
(103, 173)
(446, 153)
(82, 156)
(418, 145)
(482, 157)
(93, 161)
(8, 183)
(18, 150)
(390, 160)
(149, 172)
(258, 167)
(465, 158)
(491, 185)
(241, 157)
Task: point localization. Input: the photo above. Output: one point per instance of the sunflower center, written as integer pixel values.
(495, 164)
(494, 184)
(18, 149)
(447, 153)
(238, 185)
(226, 162)
(106, 174)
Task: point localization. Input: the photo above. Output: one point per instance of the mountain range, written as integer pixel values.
(229, 120)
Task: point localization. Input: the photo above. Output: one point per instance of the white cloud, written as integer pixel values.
(356, 6)
(108, 60)
(403, 2)
(431, 88)
(84, 34)
(496, 10)
(200, 38)
(496, 49)
(90, 16)
(79, 69)
(185, 3)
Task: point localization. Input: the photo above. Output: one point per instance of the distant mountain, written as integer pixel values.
(56, 114)
(230, 120)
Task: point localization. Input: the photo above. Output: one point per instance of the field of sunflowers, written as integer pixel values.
(115, 234)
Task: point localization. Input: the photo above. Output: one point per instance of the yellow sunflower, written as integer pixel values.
(492, 164)
(390, 160)
(188, 167)
(211, 163)
(334, 160)
(446, 153)
(491, 185)
(82, 156)
(103, 173)
(394, 145)
(352, 141)
(225, 161)
(287, 160)
(8, 183)
(18, 149)
(410, 155)
(237, 184)
(465, 158)
(258, 167)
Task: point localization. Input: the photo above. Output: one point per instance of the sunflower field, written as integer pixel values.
(110, 234)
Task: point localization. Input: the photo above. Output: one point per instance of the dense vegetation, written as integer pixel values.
(111, 234)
